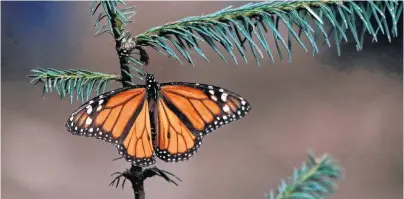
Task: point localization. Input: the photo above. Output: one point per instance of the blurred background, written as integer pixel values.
(349, 106)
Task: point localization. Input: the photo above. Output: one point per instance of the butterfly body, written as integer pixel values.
(167, 120)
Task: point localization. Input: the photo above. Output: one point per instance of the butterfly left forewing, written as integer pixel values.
(120, 117)
(102, 117)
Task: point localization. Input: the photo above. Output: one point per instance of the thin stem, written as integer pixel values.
(123, 60)
(138, 182)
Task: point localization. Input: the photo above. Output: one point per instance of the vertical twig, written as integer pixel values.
(138, 182)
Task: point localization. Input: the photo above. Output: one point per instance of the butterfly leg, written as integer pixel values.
(154, 171)
(134, 175)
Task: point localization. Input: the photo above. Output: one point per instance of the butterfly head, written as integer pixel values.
(150, 78)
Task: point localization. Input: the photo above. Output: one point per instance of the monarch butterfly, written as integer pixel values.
(167, 120)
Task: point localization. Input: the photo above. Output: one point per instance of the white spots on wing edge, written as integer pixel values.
(224, 97)
(89, 109)
(226, 108)
(214, 98)
(89, 121)
(173, 158)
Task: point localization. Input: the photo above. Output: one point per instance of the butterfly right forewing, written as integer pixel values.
(205, 107)
(187, 112)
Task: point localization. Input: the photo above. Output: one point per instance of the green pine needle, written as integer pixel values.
(314, 180)
(116, 18)
(69, 82)
(233, 28)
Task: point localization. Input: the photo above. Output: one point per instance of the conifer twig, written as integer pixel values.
(235, 28)
(68, 82)
(314, 180)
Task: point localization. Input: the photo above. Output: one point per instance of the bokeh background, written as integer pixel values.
(349, 106)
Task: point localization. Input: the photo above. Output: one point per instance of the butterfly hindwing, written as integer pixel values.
(111, 116)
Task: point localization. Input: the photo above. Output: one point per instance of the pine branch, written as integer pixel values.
(314, 180)
(236, 27)
(68, 82)
(126, 48)
(233, 28)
